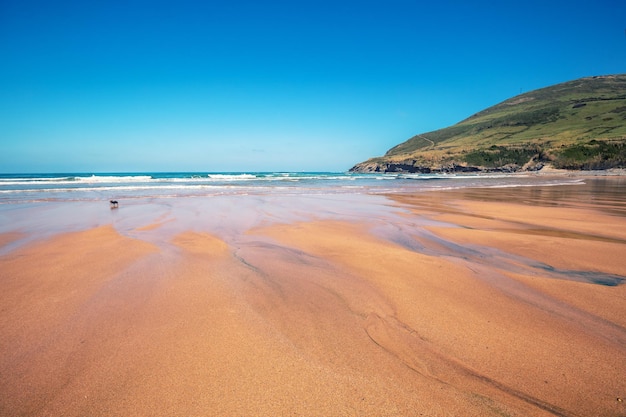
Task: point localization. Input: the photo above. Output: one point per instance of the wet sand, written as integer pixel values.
(482, 302)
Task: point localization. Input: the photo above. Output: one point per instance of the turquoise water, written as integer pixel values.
(32, 188)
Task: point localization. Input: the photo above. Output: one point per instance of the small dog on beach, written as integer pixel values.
(114, 203)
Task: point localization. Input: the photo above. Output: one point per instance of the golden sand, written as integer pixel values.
(7, 238)
(324, 318)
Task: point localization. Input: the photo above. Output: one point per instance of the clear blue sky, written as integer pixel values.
(96, 86)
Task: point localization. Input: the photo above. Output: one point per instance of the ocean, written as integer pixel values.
(35, 188)
(227, 204)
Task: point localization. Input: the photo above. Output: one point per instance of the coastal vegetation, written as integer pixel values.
(579, 124)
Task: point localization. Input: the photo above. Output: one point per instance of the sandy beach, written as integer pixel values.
(474, 302)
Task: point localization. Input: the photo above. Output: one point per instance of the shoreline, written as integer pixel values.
(446, 302)
(612, 172)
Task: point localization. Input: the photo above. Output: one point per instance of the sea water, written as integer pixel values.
(34, 188)
(225, 204)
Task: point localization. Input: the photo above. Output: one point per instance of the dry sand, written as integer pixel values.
(481, 303)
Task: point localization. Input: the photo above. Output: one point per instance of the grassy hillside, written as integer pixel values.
(579, 124)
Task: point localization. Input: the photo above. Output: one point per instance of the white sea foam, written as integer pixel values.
(113, 178)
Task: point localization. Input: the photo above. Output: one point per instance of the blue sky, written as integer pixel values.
(105, 86)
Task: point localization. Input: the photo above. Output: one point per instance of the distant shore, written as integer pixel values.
(612, 172)
(407, 167)
(472, 301)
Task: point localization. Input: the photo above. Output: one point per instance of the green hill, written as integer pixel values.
(579, 124)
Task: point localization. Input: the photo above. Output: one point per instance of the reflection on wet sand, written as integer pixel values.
(469, 302)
